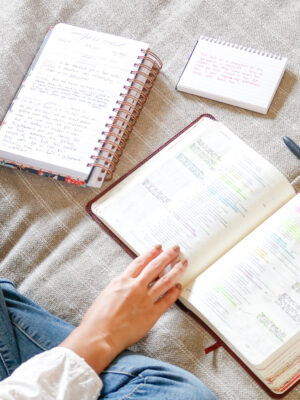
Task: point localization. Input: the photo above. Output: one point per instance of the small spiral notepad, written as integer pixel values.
(232, 74)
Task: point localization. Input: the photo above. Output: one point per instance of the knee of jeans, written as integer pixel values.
(178, 383)
(182, 382)
(194, 389)
(4, 281)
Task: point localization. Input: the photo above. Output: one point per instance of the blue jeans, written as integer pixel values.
(26, 329)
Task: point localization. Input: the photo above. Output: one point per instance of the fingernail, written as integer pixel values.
(157, 247)
(176, 248)
(179, 286)
(184, 262)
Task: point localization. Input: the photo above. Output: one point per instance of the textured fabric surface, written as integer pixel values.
(49, 247)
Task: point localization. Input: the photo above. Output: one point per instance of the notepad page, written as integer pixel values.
(58, 115)
(232, 74)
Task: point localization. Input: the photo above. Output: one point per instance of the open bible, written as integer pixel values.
(237, 221)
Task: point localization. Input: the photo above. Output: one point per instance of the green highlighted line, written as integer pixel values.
(293, 229)
(224, 292)
(233, 186)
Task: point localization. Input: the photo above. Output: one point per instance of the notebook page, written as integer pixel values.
(204, 191)
(58, 115)
(232, 74)
(251, 295)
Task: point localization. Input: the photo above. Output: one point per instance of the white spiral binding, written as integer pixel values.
(222, 42)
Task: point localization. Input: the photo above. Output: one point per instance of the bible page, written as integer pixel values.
(58, 115)
(205, 191)
(251, 296)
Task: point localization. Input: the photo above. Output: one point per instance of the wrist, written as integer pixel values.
(96, 350)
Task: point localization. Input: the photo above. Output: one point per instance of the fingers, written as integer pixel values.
(166, 282)
(138, 264)
(167, 300)
(157, 265)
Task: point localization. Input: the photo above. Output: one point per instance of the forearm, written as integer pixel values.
(95, 349)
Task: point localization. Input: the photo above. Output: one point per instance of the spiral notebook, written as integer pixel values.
(77, 105)
(232, 74)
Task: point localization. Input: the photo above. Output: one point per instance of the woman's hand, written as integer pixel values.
(128, 308)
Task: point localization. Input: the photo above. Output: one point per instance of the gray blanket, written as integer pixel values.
(49, 247)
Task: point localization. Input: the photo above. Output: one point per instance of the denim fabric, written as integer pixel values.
(133, 377)
(26, 329)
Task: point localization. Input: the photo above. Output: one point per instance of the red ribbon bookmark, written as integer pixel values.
(213, 347)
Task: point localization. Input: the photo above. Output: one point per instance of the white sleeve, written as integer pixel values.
(58, 374)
